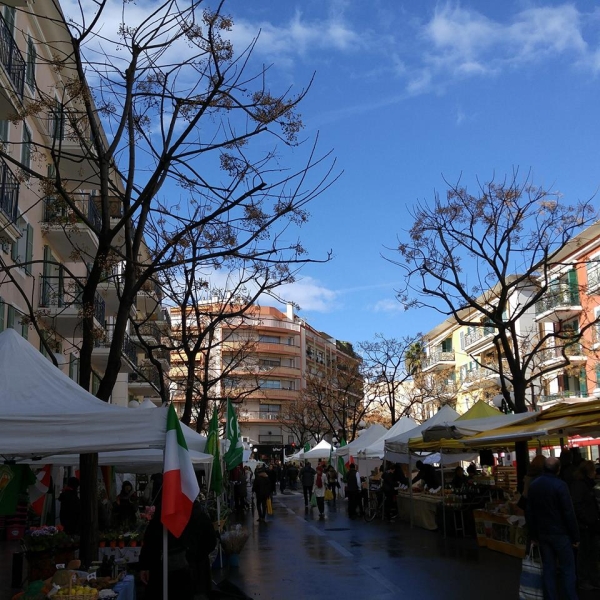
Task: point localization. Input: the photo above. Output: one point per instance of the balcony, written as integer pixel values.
(268, 324)
(437, 361)
(561, 304)
(60, 303)
(145, 382)
(594, 280)
(481, 377)
(574, 353)
(14, 66)
(479, 339)
(253, 415)
(102, 350)
(70, 136)
(9, 201)
(549, 399)
(148, 298)
(66, 231)
(110, 288)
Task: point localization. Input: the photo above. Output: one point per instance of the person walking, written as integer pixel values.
(307, 477)
(318, 490)
(262, 489)
(553, 527)
(333, 484)
(353, 487)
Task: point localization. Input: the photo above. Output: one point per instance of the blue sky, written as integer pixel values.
(410, 93)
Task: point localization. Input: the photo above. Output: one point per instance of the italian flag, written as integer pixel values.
(180, 486)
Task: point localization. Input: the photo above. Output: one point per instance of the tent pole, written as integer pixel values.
(219, 525)
(443, 493)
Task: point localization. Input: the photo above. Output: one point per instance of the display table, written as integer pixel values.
(424, 507)
(129, 554)
(503, 533)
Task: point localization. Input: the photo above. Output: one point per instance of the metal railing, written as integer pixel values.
(61, 292)
(558, 396)
(564, 296)
(477, 334)
(57, 211)
(11, 57)
(438, 357)
(253, 415)
(9, 191)
(128, 349)
(146, 374)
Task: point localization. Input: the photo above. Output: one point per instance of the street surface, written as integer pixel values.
(296, 556)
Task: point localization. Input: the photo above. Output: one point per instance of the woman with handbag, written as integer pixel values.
(319, 489)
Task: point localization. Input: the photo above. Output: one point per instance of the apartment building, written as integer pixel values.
(464, 357)
(262, 361)
(45, 245)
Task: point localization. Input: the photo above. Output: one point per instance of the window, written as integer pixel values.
(270, 384)
(74, 368)
(2, 311)
(270, 408)
(593, 272)
(269, 339)
(31, 60)
(10, 317)
(22, 249)
(26, 148)
(447, 345)
(10, 16)
(3, 130)
(95, 383)
(269, 362)
(57, 123)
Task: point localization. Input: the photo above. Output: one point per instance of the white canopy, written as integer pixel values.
(396, 448)
(44, 412)
(376, 449)
(321, 450)
(366, 438)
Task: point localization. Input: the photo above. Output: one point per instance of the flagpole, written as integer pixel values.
(165, 562)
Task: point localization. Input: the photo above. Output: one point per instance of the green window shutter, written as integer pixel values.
(598, 375)
(573, 286)
(29, 249)
(583, 382)
(14, 251)
(2, 310)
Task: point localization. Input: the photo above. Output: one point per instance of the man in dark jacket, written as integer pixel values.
(262, 489)
(70, 507)
(307, 477)
(553, 526)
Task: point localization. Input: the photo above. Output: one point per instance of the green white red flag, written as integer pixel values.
(180, 486)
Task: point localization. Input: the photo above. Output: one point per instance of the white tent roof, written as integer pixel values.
(399, 444)
(43, 412)
(321, 450)
(376, 449)
(366, 438)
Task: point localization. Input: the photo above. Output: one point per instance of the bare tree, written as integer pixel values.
(387, 367)
(489, 255)
(303, 419)
(157, 119)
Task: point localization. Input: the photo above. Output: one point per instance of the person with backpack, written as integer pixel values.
(318, 490)
(353, 490)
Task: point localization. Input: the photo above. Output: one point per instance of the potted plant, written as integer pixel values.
(133, 539)
(233, 542)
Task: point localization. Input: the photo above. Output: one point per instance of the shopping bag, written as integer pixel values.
(269, 506)
(313, 499)
(328, 495)
(531, 587)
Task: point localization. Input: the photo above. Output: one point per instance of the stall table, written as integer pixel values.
(424, 506)
(129, 554)
(500, 532)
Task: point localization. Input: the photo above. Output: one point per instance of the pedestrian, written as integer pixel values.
(307, 477)
(318, 490)
(262, 489)
(125, 507)
(283, 478)
(293, 476)
(332, 483)
(553, 527)
(588, 519)
(388, 487)
(70, 507)
(535, 469)
(272, 473)
(566, 466)
(353, 487)
(238, 482)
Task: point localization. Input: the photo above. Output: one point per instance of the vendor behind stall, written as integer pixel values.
(427, 474)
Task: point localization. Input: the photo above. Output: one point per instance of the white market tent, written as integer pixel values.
(376, 449)
(43, 412)
(365, 438)
(322, 450)
(396, 448)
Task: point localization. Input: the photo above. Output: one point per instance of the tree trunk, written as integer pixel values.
(88, 477)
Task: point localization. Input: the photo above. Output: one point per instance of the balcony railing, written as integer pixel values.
(594, 278)
(9, 191)
(149, 374)
(477, 334)
(558, 396)
(129, 349)
(565, 296)
(62, 292)
(58, 212)
(250, 415)
(11, 57)
(438, 357)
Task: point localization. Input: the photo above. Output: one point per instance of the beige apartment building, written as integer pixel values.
(44, 246)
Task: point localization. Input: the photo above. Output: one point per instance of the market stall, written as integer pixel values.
(423, 507)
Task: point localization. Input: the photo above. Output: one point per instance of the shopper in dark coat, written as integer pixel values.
(70, 507)
(307, 477)
(553, 526)
(588, 518)
(262, 489)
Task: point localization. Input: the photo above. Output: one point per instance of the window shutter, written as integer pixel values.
(573, 287)
(10, 317)
(583, 383)
(29, 249)
(2, 309)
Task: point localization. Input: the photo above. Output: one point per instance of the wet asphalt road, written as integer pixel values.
(297, 556)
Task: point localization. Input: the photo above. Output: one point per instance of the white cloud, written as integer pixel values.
(310, 295)
(388, 305)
